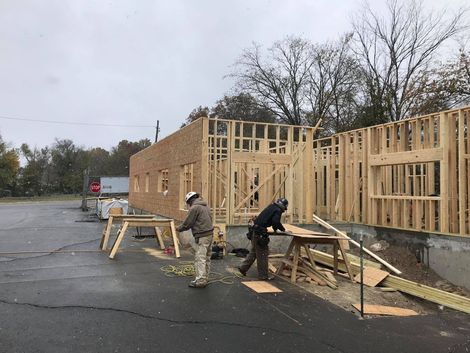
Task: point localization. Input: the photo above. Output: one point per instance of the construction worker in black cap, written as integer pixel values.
(257, 233)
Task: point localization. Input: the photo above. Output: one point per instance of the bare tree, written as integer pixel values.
(454, 79)
(279, 81)
(333, 85)
(299, 82)
(396, 49)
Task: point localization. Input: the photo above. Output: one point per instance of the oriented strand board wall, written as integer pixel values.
(174, 151)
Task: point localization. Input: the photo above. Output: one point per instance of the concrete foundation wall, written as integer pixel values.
(172, 153)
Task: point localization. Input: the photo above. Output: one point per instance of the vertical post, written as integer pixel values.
(230, 173)
(205, 164)
(361, 242)
(308, 176)
(444, 173)
(157, 130)
(462, 195)
(85, 190)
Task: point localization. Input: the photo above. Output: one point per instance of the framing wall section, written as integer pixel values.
(410, 174)
(249, 165)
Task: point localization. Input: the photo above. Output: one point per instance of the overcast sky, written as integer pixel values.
(133, 62)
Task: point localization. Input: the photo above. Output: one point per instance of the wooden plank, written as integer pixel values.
(370, 309)
(158, 233)
(205, 160)
(438, 296)
(118, 240)
(106, 233)
(462, 176)
(408, 157)
(262, 287)
(407, 198)
(367, 251)
(175, 239)
(308, 177)
(298, 230)
(295, 261)
(271, 267)
(372, 276)
(444, 174)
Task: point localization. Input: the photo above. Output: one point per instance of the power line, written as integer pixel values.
(72, 122)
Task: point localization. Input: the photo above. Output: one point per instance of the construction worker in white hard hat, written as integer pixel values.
(199, 220)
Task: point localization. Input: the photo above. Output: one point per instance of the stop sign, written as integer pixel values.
(95, 187)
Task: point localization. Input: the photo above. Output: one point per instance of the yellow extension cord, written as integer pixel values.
(186, 269)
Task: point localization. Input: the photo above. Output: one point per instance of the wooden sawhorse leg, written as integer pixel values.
(159, 237)
(310, 256)
(106, 233)
(286, 257)
(293, 275)
(175, 238)
(346, 261)
(118, 240)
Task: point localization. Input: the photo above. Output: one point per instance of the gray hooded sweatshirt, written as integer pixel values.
(199, 219)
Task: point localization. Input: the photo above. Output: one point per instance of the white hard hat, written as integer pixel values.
(190, 195)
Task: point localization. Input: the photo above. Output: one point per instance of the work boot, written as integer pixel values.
(241, 271)
(197, 284)
(268, 278)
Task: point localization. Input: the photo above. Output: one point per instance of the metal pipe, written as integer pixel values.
(361, 242)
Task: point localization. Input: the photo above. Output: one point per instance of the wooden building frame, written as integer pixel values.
(410, 174)
(257, 163)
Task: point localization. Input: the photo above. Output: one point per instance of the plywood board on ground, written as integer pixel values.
(385, 310)
(372, 276)
(262, 287)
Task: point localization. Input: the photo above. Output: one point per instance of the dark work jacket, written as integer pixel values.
(270, 217)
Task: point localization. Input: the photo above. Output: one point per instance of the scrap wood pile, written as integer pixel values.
(305, 272)
(373, 274)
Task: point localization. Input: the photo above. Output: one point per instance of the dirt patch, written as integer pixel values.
(348, 293)
(414, 270)
(404, 259)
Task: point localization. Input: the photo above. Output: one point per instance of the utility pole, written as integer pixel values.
(157, 130)
(86, 179)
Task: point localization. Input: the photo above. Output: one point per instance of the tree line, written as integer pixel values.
(386, 68)
(58, 169)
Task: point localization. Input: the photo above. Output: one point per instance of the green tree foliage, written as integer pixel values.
(242, 106)
(35, 176)
(67, 163)
(9, 165)
(59, 168)
(195, 114)
(119, 157)
(98, 162)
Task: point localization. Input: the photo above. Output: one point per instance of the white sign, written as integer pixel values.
(114, 185)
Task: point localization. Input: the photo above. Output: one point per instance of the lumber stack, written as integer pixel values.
(434, 295)
(307, 273)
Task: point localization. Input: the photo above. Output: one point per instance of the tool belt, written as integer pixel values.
(263, 240)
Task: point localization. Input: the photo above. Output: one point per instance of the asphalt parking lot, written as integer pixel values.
(78, 300)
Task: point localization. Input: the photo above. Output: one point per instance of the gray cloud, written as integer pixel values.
(133, 62)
